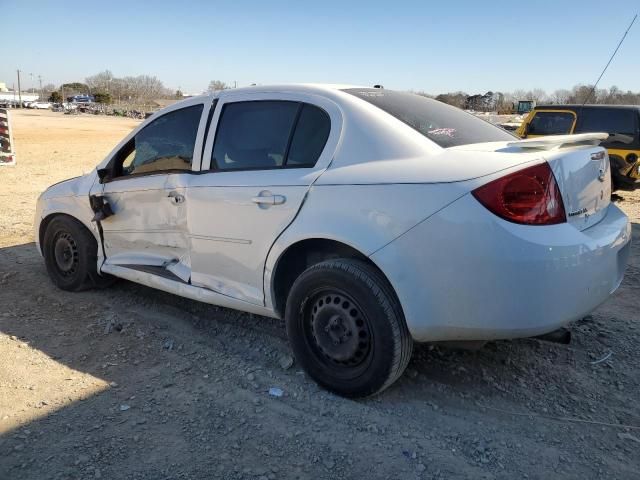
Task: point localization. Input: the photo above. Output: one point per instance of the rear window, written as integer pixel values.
(445, 125)
(551, 123)
(618, 123)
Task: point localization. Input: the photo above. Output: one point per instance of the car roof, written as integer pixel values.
(326, 90)
(575, 106)
(284, 87)
(297, 86)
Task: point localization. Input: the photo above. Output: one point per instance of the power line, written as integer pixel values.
(19, 91)
(610, 59)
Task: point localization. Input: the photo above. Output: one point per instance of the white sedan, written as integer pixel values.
(39, 105)
(365, 218)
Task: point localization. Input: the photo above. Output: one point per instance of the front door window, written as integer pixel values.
(165, 145)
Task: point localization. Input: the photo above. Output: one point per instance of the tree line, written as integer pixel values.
(141, 89)
(504, 102)
(107, 88)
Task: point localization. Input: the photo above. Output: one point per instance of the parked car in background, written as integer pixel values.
(366, 218)
(622, 123)
(81, 99)
(40, 105)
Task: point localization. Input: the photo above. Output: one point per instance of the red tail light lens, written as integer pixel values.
(530, 196)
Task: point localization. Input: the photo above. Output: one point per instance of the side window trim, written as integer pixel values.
(207, 128)
(292, 132)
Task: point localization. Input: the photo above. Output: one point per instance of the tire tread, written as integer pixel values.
(382, 290)
(89, 248)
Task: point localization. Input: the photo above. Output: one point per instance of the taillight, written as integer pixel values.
(530, 196)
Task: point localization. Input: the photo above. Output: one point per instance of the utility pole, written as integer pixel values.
(40, 80)
(19, 92)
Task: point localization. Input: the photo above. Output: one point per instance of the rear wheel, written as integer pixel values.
(346, 327)
(71, 255)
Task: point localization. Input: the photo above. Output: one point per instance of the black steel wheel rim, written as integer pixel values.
(338, 332)
(66, 254)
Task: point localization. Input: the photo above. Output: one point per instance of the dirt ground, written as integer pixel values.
(129, 382)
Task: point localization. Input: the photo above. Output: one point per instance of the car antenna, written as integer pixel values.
(609, 62)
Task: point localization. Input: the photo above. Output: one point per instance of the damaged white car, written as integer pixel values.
(366, 218)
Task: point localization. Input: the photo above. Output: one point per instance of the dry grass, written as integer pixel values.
(50, 147)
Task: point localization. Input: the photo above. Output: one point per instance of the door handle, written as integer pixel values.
(175, 197)
(267, 198)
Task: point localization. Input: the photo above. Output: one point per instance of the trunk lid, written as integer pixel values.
(581, 169)
(584, 177)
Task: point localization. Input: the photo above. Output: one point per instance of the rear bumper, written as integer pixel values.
(465, 274)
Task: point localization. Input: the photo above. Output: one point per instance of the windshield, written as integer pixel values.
(445, 125)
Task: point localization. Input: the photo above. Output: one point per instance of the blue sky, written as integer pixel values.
(436, 47)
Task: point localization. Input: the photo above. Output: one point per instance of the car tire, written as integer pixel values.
(71, 256)
(346, 327)
(619, 180)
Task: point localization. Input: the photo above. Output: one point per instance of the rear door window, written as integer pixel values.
(253, 135)
(620, 124)
(551, 123)
(269, 134)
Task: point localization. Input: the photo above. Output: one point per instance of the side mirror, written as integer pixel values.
(526, 129)
(104, 174)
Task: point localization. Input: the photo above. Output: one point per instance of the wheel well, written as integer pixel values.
(300, 256)
(47, 220)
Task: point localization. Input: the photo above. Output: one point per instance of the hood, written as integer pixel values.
(71, 187)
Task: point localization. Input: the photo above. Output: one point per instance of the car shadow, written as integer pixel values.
(171, 387)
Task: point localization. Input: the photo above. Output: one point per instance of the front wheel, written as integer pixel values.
(71, 255)
(346, 327)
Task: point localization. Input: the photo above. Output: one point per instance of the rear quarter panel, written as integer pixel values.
(365, 217)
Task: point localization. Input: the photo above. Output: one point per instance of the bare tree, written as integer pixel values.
(560, 96)
(539, 95)
(47, 90)
(457, 99)
(520, 94)
(581, 94)
(215, 85)
(100, 82)
(139, 89)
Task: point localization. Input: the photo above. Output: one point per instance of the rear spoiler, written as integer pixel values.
(556, 141)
